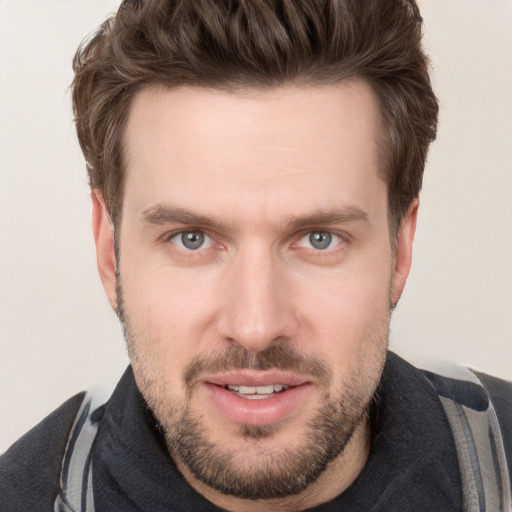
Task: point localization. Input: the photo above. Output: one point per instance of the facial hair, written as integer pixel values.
(265, 474)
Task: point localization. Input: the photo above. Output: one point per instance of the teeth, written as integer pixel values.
(257, 390)
(265, 390)
(246, 390)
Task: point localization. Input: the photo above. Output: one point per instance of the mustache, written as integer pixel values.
(280, 357)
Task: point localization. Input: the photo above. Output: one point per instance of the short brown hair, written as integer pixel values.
(235, 44)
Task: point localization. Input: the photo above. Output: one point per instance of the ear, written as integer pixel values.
(104, 238)
(403, 256)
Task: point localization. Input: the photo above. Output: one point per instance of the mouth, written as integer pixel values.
(256, 398)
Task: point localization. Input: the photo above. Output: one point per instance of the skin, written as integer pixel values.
(263, 169)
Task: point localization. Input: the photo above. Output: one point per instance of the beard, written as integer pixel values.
(255, 471)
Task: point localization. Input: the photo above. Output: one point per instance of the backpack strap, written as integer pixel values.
(478, 440)
(76, 494)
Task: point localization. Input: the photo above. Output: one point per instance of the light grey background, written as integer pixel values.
(57, 333)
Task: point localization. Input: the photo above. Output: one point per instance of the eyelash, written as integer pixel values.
(339, 246)
(332, 237)
(191, 231)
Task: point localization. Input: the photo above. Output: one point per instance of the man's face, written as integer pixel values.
(255, 277)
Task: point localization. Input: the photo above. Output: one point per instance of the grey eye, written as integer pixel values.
(320, 239)
(192, 240)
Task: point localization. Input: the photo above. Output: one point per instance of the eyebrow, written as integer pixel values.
(345, 215)
(162, 214)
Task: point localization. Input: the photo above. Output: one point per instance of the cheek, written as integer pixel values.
(158, 344)
(169, 310)
(348, 312)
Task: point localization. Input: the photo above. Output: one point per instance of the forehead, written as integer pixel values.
(273, 148)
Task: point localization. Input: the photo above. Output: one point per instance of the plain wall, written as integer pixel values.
(57, 332)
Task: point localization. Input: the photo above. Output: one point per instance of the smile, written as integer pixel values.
(257, 398)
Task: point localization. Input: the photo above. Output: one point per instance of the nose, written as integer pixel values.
(257, 306)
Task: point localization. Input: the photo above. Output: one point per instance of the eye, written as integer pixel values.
(319, 240)
(192, 240)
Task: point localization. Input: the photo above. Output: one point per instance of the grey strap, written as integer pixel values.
(76, 494)
(480, 451)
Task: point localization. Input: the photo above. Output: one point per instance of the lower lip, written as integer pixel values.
(266, 411)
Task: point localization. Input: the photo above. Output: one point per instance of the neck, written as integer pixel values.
(338, 476)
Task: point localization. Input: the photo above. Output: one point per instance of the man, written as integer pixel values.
(255, 169)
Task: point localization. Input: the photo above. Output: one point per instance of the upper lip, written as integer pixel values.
(256, 378)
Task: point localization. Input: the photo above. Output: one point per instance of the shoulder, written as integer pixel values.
(476, 390)
(479, 409)
(500, 392)
(30, 469)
